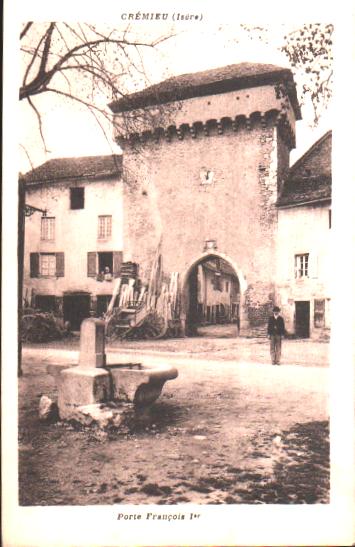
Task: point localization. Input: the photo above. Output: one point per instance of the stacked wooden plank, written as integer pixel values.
(146, 312)
(129, 270)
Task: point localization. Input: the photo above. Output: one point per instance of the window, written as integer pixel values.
(47, 265)
(206, 176)
(327, 319)
(98, 263)
(329, 218)
(104, 227)
(47, 228)
(319, 313)
(301, 265)
(227, 286)
(76, 198)
(217, 282)
(105, 262)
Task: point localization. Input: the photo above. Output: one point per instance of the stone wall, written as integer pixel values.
(167, 198)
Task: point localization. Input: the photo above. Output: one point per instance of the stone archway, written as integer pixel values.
(189, 287)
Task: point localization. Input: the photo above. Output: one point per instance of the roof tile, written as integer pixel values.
(59, 169)
(310, 178)
(209, 82)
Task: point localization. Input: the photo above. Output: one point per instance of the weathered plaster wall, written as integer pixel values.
(303, 230)
(76, 233)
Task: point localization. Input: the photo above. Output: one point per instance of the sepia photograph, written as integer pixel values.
(175, 268)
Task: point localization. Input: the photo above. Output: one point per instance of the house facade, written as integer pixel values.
(74, 251)
(303, 244)
(205, 177)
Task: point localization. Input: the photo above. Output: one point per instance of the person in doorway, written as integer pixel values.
(276, 330)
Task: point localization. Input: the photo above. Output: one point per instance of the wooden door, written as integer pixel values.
(302, 318)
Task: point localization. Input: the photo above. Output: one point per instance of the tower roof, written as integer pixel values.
(210, 82)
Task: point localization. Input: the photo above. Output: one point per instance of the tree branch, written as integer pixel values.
(25, 30)
(28, 156)
(34, 57)
(39, 124)
(46, 48)
(77, 99)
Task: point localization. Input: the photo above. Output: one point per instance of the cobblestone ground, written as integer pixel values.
(223, 432)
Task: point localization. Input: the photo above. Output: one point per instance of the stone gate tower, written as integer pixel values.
(204, 160)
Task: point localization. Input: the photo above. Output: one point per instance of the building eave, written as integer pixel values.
(321, 201)
(63, 180)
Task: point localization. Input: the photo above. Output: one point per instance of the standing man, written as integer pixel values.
(275, 330)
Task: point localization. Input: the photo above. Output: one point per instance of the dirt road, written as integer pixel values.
(222, 432)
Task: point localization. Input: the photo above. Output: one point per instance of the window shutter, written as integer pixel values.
(92, 264)
(117, 263)
(34, 264)
(59, 264)
(313, 265)
(319, 313)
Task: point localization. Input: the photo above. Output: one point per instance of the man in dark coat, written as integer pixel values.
(275, 330)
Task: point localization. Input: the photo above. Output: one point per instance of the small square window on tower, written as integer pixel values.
(77, 198)
(206, 176)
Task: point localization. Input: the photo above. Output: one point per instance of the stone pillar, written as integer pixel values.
(92, 344)
(93, 304)
(88, 383)
(243, 317)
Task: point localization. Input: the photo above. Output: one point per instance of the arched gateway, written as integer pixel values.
(207, 164)
(213, 289)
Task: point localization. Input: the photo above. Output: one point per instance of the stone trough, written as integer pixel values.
(95, 393)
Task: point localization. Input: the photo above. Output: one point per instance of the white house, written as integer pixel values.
(303, 243)
(74, 251)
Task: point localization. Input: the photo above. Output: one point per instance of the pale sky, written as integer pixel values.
(72, 131)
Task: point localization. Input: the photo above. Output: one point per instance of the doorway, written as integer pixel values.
(212, 299)
(45, 302)
(302, 319)
(103, 301)
(76, 308)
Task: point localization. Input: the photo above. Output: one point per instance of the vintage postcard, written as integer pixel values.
(178, 269)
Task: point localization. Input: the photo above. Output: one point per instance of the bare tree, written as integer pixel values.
(83, 63)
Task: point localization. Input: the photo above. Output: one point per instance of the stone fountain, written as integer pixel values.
(94, 392)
